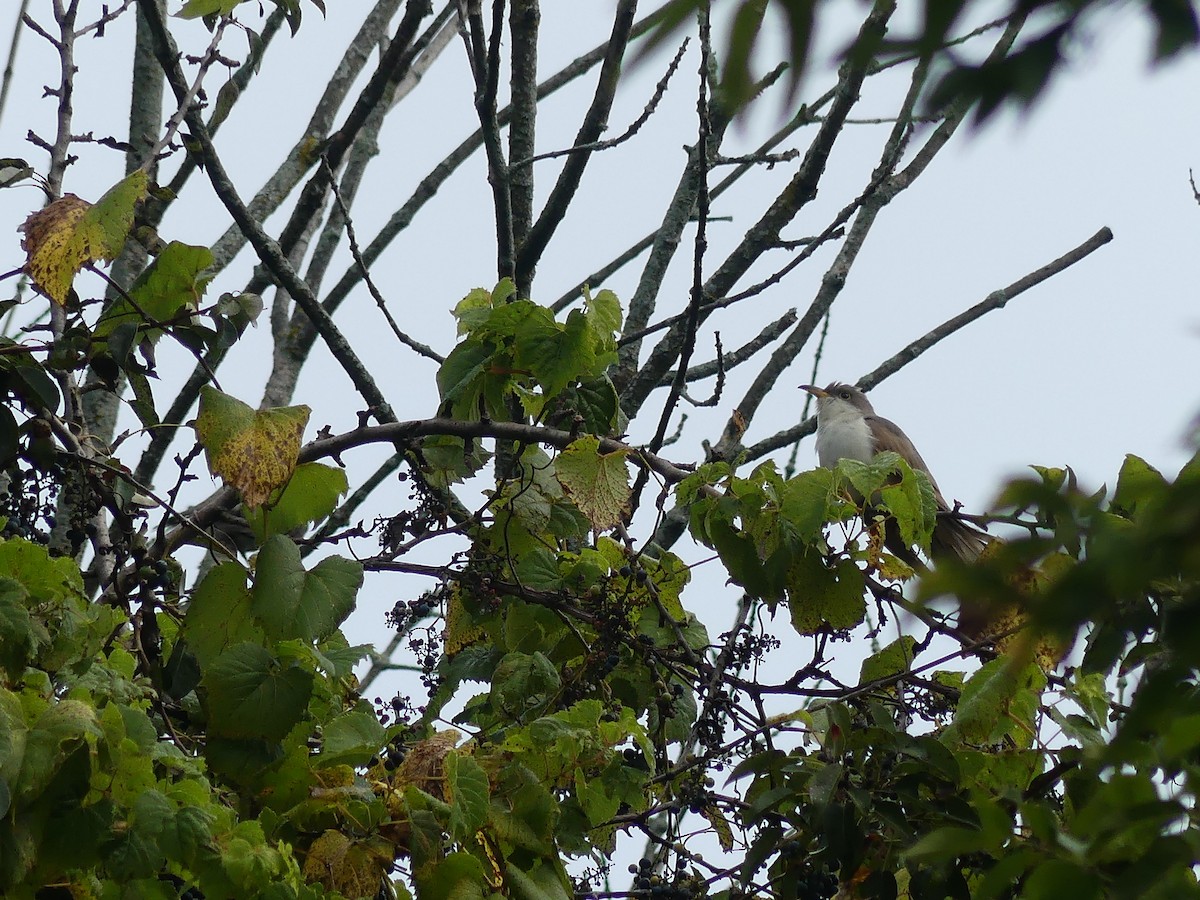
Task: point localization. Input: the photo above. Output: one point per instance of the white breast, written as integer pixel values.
(844, 437)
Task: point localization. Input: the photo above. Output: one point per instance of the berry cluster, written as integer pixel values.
(407, 613)
(648, 883)
(28, 497)
(397, 707)
(407, 524)
(426, 646)
(391, 755)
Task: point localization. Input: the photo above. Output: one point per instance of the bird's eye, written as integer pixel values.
(845, 395)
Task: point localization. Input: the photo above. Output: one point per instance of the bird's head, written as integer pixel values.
(839, 397)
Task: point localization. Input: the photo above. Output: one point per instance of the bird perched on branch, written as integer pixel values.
(848, 428)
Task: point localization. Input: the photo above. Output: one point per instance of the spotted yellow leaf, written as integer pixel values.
(253, 450)
(71, 232)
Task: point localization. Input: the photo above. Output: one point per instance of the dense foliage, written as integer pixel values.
(573, 729)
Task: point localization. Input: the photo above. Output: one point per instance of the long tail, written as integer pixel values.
(954, 537)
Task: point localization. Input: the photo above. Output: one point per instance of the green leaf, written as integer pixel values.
(292, 603)
(59, 731)
(310, 495)
(446, 459)
(35, 388)
(597, 482)
(457, 876)
(556, 354)
(252, 695)
(999, 701)
(17, 639)
(143, 399)
(198, 9)
(806, 501)
(174, 281)
(1057, 878)
(219, 614)
(48, 579)
(913, 504)
(1139, 487)
(13, 736)
(542, 882)
(740, 556)
(895, 657)
(603, 311)
(460, 377)
(253, 450)
(534, 493)
(523, 684)
(820, 596)
(824, 783)
(946, 844)
(538, 569)
(595, 402)
(242, 308)
(352, 739)
(598, 804)
(467, 793)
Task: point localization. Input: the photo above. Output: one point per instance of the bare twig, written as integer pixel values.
(101, 23)
(416, 345)
(704, 132)
(659, 90)
(719, 387)
(762, 235)
(735, 358)
(185, 102)
(486, 79)
(594, 122)
(995, 300)
(10, 62)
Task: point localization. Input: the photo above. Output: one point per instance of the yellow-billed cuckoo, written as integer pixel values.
(847, 428)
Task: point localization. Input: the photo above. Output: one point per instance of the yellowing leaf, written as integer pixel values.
(255, 451)
(597, 482)
(71, 233)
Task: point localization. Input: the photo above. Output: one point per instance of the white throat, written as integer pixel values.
(842, 433)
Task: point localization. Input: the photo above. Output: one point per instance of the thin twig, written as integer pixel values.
(10, 63)
(594, 120)
(486, 80)
(799, 191)
(735, 358)
(995, 300)
(269, 251)
(660, 90)
(185, 102)
(416, 345)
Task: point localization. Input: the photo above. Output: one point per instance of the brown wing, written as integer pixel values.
(888, 436)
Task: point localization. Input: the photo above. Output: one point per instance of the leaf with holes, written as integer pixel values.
(597, 482)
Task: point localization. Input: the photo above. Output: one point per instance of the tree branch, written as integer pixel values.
(764, 233)
(995, 300)
(593, 125)
(269, 251)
